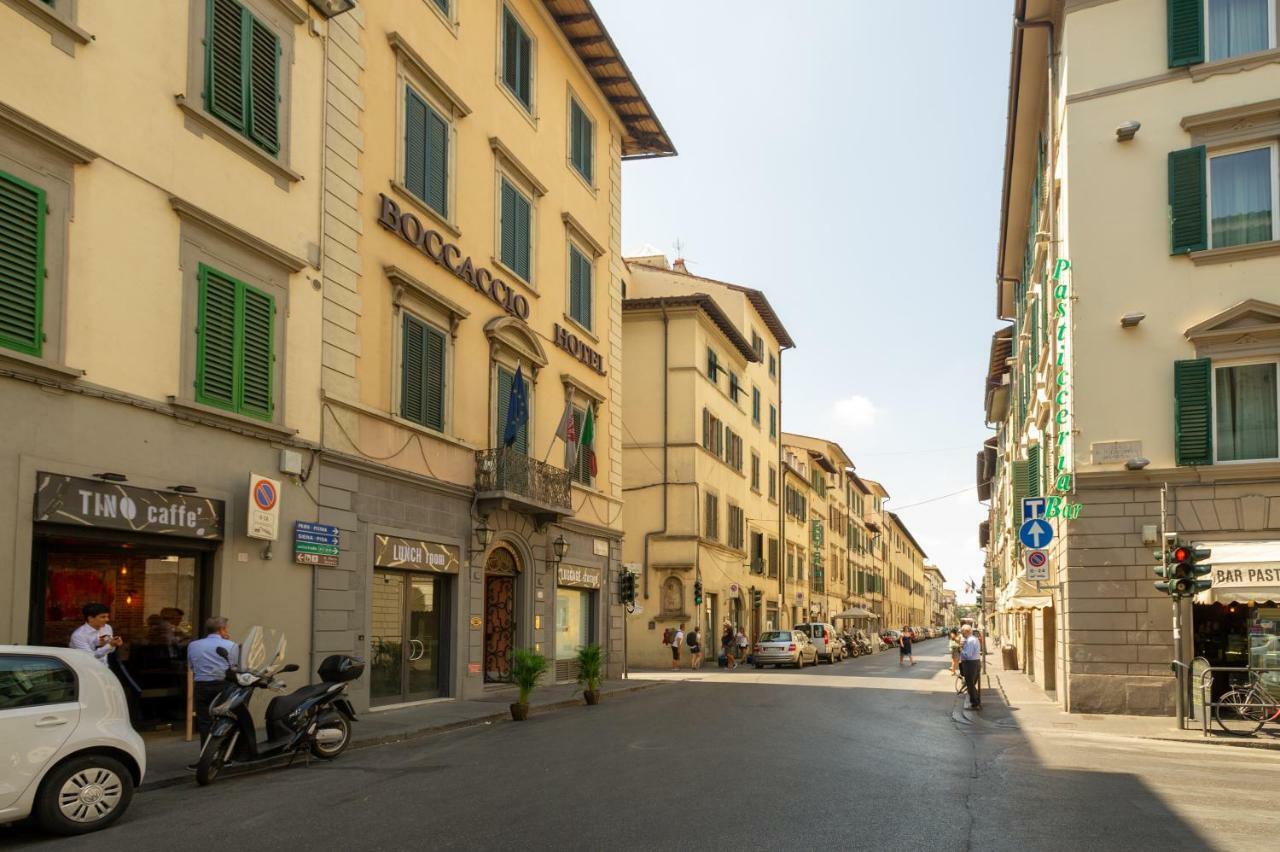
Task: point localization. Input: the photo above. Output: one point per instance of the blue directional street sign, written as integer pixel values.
(1032, 507)
(1035, 533)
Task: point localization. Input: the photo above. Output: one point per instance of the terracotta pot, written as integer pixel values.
(519, 712)
(592, 696)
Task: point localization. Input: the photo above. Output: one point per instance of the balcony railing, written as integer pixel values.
(523, 482)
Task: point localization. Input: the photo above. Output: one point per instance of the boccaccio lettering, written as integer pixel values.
(410, 229)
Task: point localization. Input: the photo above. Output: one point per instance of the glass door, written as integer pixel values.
(406, 636)
(386, 638)
(423, 669)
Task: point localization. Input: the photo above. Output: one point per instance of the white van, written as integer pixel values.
(825, 639)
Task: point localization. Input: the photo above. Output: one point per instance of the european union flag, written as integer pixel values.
(517, 409)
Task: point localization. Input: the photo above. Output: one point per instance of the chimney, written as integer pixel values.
(678, 265)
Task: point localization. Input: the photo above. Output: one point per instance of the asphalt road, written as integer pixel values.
(860, 755)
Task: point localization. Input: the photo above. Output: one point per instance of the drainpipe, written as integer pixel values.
(666, 385)
(781, 494)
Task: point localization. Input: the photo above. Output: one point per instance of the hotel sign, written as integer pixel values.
(410, 229)
(391, 551)
(569, 342)
(111, 505)
(578, 576)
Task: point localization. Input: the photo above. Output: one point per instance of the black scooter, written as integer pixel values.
(315, 718)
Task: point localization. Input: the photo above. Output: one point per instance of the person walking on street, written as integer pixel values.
(904, 646)
(971, 665)
(694, 642)
(953, 645)
(727, 641)
(740, 639)
(96, 635)
(676, 639)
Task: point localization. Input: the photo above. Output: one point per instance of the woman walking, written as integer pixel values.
(727, 641)
(904, 646)
(953, 645)
(694, 644)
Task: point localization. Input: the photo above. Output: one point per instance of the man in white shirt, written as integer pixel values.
(95, 635)
(676, 641)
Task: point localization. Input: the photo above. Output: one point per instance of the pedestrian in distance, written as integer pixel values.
(694, 643)
(727, 641)
(971, 665)
(953, 645)
(209, 670)
(96, 635)
(740, 639)
(677, 639)
(904, 646)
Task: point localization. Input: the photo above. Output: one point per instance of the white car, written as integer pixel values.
(68, 755)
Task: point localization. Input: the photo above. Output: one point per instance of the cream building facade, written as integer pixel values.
(159, 254)
(700, 456)
(1137, 244)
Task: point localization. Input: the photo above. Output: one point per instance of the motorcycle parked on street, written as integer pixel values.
(315, 718)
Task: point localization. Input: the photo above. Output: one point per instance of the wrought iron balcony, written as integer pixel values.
(523, 483)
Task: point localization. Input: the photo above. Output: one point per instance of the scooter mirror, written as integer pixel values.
(292, 667)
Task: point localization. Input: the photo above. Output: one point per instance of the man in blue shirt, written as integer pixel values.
(210, 669)
(971, 665)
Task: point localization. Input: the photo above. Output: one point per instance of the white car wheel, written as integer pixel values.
(84, 794)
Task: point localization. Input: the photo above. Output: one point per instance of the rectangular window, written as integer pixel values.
(734, 533)
(1241, 197)
(791, 562)
(579, 287)
(771, 563)
(442, 5)
(521, 445)
(517, 227)
(581, 140)
(422, 373)
(242, 73)
(426, 152)
(755, 406)
(713, 365)
(1245, 412)
(235, 345)
(773, 422)
(517, 59)
(712, 434)
(712, 520)
(755, 471)
(773, 483)
(1237, 27)
(757, 346)
(773, 365)
(35, 681)
(22, 262)
(734, 387)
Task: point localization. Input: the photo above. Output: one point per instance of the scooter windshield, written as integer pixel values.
(253, 651)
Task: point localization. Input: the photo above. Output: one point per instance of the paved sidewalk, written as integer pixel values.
(168, 755)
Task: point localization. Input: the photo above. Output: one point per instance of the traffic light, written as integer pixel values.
(697, 593)
(757, 597)
(1182, 565)
(627, 587)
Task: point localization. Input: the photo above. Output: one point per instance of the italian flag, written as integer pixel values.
(588, 437)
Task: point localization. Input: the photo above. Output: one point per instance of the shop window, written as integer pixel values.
(242, 73)
(426, 152)
(517, 58)
(581, 140)
(235, 352)
(516, 229)
(574, 619)
(35, 681)
(580, 287)
(422, 373)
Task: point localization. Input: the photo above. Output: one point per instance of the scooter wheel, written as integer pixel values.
(211, 760)
(330, 750)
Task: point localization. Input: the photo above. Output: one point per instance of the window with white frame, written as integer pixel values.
(1246, 411)
(1237, 27)
(1242, 193)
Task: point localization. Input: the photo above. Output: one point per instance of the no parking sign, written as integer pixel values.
(1037, 565)
(264, 507)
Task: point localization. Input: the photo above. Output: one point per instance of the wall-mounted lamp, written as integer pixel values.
(1131, 320)
(183, 489)
(1126, 131)
(112, 477)
(560, 547)
(484, 535)
(1137, 463)
(332, 8)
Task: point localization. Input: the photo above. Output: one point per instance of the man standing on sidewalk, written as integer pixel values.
(971, 665)
(676, 639)
(209, 669)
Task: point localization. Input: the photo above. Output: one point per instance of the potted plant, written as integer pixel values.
(590, 666)
(527, 667)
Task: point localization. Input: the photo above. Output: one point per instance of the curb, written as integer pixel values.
(386, 739)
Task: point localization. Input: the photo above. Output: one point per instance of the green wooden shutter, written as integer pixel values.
(523, 229)
(216, 340)
(1193, 411)
(1033, 471)
(508, 225)
(525, 49)
(433, 378)
(415, 143)
(264, 86)
(258, 353)
(22, 213)
(1188, 221)
(224, 62)
(510, 51)
(585, 288)
(437, 163)
(580, 135)
(1186, 32)
(1021, 481)
(413, 345)
(575, 284)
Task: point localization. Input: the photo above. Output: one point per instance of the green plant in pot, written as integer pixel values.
(590, 668)
(527, 668)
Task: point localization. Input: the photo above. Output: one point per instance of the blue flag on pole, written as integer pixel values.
(517, 409)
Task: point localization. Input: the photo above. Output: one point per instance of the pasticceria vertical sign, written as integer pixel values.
(1058, 505)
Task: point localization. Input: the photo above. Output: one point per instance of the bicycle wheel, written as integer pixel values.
(1240, 712)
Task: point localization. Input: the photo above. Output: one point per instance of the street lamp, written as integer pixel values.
(560, 547)
(484, 535)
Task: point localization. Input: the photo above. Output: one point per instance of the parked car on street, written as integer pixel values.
(890, 637)
(823, 636)
(784, 648)
(68, 755)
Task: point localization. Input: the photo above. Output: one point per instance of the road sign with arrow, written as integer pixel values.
(1035, 533)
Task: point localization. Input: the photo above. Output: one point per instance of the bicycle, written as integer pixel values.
(1243, 710)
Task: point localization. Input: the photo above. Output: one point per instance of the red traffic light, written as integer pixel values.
(1181, 554)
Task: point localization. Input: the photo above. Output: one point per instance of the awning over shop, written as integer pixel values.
(856, 612)
(1019, 595)
(1243, 571)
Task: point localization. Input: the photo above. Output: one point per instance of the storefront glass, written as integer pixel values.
(573, 621)
(406, 636)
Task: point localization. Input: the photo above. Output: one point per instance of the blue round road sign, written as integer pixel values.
(1035, 533)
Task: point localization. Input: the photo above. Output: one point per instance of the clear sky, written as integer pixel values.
(845, 157)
